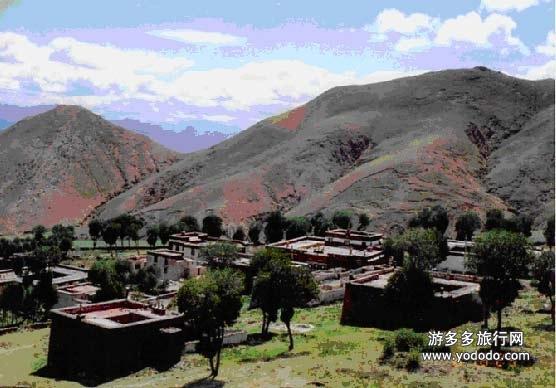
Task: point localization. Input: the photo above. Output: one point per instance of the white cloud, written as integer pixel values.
(547, 70)
(392, 20)
(412, 44)
(218, 118)
(471, 28)
(549, 47)
(198, 37)
(507, 5)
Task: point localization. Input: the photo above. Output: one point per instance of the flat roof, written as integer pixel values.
(68, 275)
(317, 246)
(114, 314)
(167, 253)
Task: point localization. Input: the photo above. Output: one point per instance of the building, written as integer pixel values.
(182, 259)
(137, 262)
(455, 260)
(7, 277)
(104, 340)
(456, 300)
(75, 294)
(338, 248)
(66, 275)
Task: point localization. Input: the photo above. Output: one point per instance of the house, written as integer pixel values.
(75, 294)
(338, 248)
(7, 277)
(456, 300)
(114, 338)
(182, 258)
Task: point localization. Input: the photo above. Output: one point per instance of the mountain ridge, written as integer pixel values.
(387, 148)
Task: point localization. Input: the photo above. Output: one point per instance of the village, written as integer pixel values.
(144, 303)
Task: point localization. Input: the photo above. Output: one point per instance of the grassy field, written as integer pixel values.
(331, 354)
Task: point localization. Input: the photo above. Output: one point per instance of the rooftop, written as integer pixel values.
(7, 276)
(317, 246)
(166, 253)
(115, 314)
(79, 289)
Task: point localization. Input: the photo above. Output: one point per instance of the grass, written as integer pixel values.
(331, 354)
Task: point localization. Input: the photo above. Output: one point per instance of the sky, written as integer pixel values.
(232, 63)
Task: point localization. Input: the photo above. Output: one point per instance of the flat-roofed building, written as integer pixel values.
(456, 300)
(339, 248)
(75, 294)
(7, 277)
(113, 338)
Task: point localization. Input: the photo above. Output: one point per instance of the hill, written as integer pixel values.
(60, 165)
(470, 139)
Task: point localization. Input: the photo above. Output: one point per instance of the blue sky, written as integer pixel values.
(235, 62)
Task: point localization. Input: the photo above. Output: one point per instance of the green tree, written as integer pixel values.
(103, 273)
(164, 233)
(494, 219)
(364, 221)
(110, 233)
(422, 247)
(219, 254)
(280, 287)
(320, 224)
(239, 234)
(190, 224)
(549, 232)
(95, 231)
(431, 218)
(275, 226)
(39, 232)
(11, 300)
(65, 245)
(45, 293)
(543, 273)
(146, 279)
(342, 219)
(152, 235)
(297, 227)
(466, 224)
(254, 232)
(212, 225)
(411, 289)
(209, 304)
(502, 256)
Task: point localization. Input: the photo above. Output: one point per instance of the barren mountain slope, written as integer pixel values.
(60, 165)
(456, 137)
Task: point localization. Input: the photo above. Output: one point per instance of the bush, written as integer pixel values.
(406, 340)
(389, 349)
(413, 360)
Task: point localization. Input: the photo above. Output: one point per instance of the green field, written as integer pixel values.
(331, 354)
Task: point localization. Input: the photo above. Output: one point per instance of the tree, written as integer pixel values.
(298, 288)
(164, 233)
(549, 232)
(364, 221)
(393, 247)
(38, 233)
(219, 254)
(411, 290)
(502, 256)
(65, 245)
(44, 292)
(254, 232)
(146, 279)
(466, 224)
(494, 219)
(320, 224)
(275, 226)
(422, 247)
(280, 287)
(428, 218)
(209, 304)
(543, 273)
(103, 273)
(523, 224)
(297, 227)
(95, 231)
(190, 224)
(110, 233)
(342, 219)
(212, 225)
(152, 235)
(239, 234)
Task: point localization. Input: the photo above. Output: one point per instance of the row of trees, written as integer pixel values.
(212, 302)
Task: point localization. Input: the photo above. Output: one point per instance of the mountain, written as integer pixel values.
(469, 139)
(60, 165)
(187, 140)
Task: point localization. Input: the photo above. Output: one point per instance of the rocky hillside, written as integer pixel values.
(60, 165)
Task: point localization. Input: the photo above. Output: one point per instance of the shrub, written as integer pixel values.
(413, 359)
(406, 340)
(389, 349)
